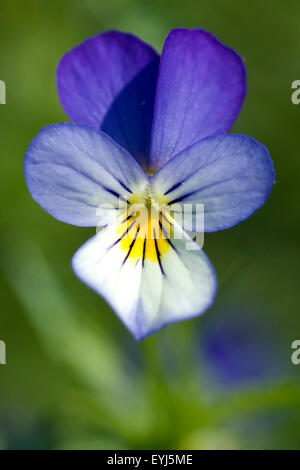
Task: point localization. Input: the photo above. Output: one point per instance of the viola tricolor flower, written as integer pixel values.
(150, 131)
(241, 347)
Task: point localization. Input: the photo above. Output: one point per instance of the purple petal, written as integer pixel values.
(108, 82)
(241, 347)
(200, 91)
(232, 175)
(77, 174)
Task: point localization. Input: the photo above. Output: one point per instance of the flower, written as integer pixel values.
(240, 348)
(151, 132)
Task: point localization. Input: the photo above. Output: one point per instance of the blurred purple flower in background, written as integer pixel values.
(148, 130)
(240, 347)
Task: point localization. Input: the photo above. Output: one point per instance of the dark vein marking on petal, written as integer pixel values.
(123, 235)
(127, 218)
(124, 186)
(131, 245)
(175, 186)
(144, 251)
(208, 186)
(89, 177)
(158, 253)
(167, 238)
(180, 198)
(114, 193)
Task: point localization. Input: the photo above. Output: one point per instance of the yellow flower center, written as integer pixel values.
(146, 228)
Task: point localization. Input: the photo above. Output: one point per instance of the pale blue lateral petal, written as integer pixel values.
(77, 174)
(232, 175)
(200, 90)
(145, 295)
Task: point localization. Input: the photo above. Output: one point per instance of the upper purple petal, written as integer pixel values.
(200, 91)
(108, 82)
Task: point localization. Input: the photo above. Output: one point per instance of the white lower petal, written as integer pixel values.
(146, 294)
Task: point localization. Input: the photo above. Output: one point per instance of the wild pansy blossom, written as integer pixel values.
(150, 131)
(240, 347)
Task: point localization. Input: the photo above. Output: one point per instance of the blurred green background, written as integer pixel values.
(75, 378)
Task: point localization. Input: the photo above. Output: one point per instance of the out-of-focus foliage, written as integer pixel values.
(74, 377)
